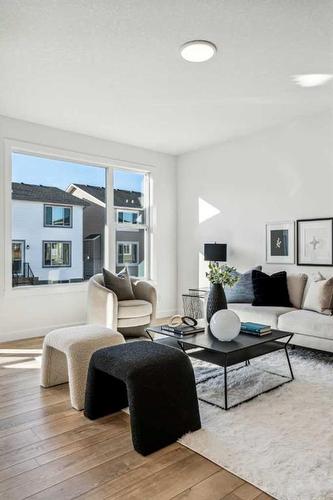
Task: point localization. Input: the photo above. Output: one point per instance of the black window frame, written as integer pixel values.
(47, 205)
(60, 266)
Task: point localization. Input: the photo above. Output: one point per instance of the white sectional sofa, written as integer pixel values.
(311, 329)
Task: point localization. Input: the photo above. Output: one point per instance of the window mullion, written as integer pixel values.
(110, 228)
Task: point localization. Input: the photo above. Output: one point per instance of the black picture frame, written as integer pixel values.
(315, 264)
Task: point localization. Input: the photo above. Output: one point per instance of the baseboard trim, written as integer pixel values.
(42, 331)
(166, 314)
(33, 332)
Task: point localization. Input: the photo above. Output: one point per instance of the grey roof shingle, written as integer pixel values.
(45, 194)
(122, 197)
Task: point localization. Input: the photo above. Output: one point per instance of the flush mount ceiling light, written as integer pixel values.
(312, 80)
(198, 50)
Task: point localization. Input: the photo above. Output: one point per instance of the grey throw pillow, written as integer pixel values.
(243, 290)
(296, 284)
(119, 283)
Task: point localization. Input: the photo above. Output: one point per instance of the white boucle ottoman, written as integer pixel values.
(66, 356)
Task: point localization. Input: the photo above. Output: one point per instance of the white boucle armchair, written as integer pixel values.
(129, 317)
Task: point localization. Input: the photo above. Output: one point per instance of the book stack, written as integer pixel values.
(182, 329)
(256, 329)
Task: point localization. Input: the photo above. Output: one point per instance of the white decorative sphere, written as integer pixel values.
(225, 325)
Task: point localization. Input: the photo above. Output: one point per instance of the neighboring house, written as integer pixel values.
(129, 241)
(47, 235)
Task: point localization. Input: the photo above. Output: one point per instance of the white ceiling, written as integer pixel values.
(112, 69)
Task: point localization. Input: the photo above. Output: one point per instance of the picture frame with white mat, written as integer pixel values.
(315, 242)
(280, 242)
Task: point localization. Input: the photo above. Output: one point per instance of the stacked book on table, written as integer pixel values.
(256, 329)
(182, 329)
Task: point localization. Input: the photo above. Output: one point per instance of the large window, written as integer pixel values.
(58, 220)
(57, 253)
(57, 216)
(61, 226)
(131, 201)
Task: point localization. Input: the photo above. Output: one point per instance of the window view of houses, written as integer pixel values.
(58, 224)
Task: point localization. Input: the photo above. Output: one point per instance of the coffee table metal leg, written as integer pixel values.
(287, 356)
(150, 336)
(181, 345)
(226, 383)
(289, 364)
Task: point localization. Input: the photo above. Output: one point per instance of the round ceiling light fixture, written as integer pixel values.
(198, 51)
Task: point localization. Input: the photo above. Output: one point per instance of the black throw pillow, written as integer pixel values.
(270, 290)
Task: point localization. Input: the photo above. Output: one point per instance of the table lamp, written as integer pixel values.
(215, 252)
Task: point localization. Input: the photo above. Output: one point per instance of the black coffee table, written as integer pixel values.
(242, 349)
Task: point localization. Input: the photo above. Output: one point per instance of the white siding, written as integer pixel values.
(28, 225)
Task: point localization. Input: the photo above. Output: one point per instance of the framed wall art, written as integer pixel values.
(315, 242)
(280, 242)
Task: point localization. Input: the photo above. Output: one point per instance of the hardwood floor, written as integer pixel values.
(50, 451)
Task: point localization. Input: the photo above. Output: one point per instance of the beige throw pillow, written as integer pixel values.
(319, 296)
(296, 284)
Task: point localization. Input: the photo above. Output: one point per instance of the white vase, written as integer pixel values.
(225, 325)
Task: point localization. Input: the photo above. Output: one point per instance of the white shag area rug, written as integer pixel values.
(281, 441)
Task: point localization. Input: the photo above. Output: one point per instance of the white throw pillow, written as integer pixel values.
(319, 296)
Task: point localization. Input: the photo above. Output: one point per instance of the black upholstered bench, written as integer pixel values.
(155, 381)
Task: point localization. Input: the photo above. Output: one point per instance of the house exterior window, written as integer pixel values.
(128, 217)
(127, 253)
(57, 253)
(57, 216)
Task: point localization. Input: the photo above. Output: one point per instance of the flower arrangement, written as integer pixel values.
(221, 275)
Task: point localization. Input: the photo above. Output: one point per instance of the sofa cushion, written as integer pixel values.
(119, 283)
(319, 296)
(296, 284)
(307, 323)
(134, 308)
(259, 314)
(242, 291)
(270, 290)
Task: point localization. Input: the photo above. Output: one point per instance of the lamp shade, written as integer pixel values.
(215, 252)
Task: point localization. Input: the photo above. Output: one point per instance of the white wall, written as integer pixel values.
(282, 173)
(28, 225)
(33, 312)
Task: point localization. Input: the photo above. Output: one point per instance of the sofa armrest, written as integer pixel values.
(145, 290)
(102, 307)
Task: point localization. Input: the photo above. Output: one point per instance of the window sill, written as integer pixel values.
(55, 289)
